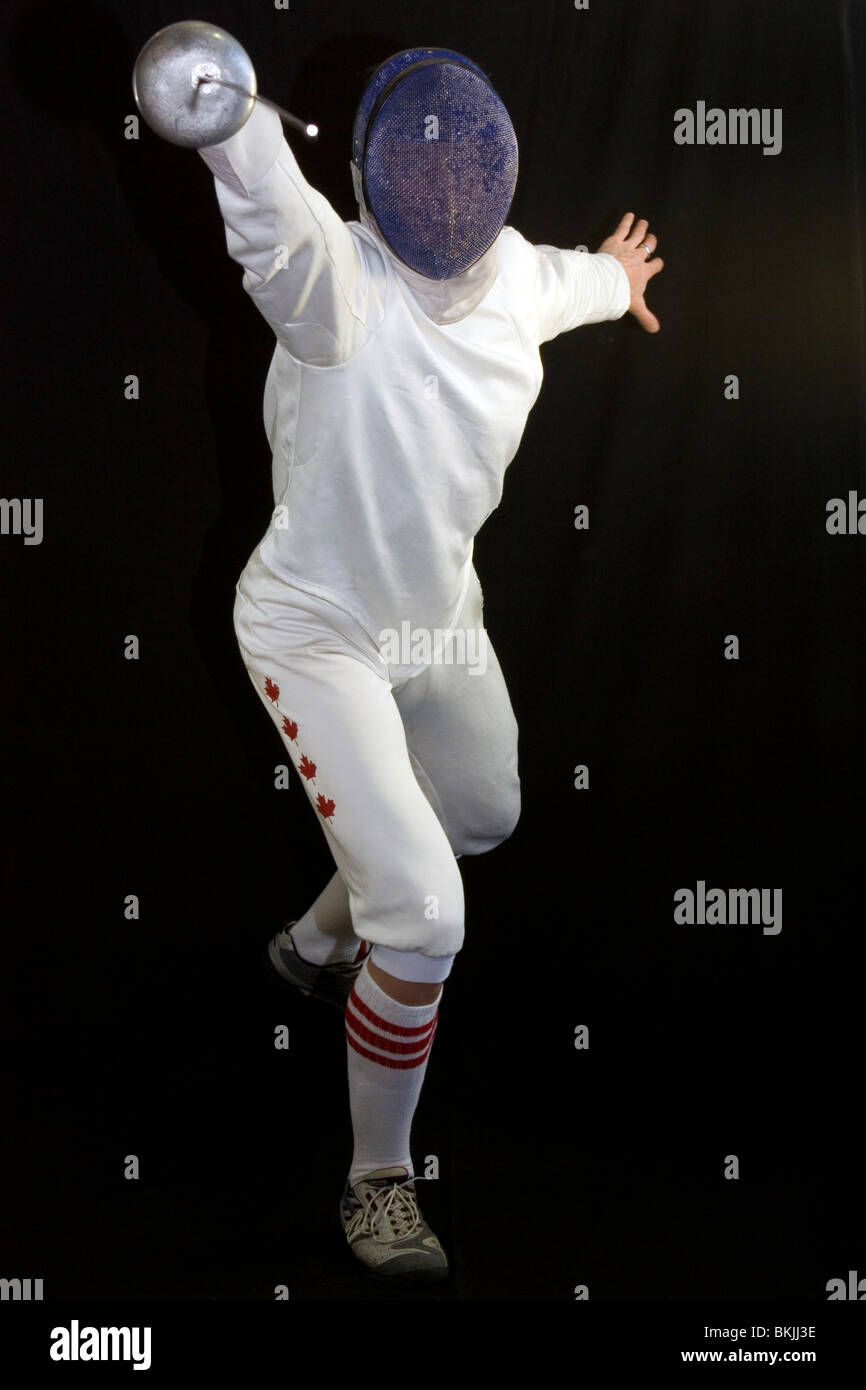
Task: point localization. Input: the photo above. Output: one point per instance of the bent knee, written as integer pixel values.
(442, 927)
(417, 909)
(491, 825)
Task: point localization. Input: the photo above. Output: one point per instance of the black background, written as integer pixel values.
(155, 1037)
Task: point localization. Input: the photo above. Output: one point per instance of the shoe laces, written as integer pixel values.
(399, 1206)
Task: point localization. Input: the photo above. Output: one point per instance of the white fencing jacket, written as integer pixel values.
(393, 403)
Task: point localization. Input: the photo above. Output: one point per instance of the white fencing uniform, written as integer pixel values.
(393, 406)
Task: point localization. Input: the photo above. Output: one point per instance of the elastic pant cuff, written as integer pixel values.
(411, 965)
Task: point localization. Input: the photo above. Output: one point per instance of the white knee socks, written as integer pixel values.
(388, 1045)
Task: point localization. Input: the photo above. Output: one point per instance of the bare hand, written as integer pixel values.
(631, 249)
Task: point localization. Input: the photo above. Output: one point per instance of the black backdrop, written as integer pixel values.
(559, 1167)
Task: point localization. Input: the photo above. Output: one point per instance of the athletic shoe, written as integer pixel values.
(330, 983)
(387, 1232)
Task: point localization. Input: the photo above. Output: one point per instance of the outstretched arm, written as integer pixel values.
(301, 266)
(574, 287)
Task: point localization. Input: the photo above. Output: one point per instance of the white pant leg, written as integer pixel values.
(462, 737)
(339, 721)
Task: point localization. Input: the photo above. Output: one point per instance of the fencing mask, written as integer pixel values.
(434, 160)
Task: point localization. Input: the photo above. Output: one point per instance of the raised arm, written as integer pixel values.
(302, 268)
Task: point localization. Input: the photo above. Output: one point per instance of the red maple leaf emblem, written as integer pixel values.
(272, 690)
(291, 728)
(325, 807)
(306, 768)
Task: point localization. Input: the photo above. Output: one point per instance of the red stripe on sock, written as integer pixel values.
(388, 1044)
(401, 1064)
(362, 1008)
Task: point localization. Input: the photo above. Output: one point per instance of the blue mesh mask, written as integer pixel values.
(434, 160)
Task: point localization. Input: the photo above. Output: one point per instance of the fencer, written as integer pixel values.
(406, 362)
